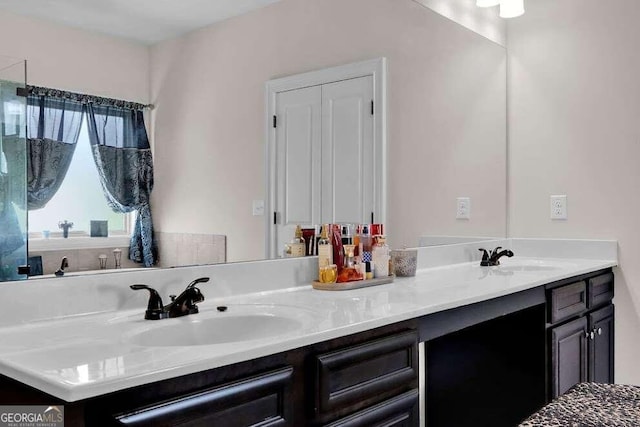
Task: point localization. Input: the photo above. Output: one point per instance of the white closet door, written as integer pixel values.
(347, 151)
(298, 158)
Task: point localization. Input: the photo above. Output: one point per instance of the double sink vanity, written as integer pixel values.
(458, 344)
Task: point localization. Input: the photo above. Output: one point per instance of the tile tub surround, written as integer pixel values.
(176, 249)
(82, 259)
(102, 361)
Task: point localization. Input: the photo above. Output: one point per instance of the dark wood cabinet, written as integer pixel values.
(601, 339)
(581, 332)
(568, 355)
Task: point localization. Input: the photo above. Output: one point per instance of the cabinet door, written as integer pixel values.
(348, 175)
(568, 355)
(601, 345)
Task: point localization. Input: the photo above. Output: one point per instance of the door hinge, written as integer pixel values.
(275, 218)
(372, 108)
(275, 121)
(372, 221)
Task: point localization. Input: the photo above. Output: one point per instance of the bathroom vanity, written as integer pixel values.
(460, 344)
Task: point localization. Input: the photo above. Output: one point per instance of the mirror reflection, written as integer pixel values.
(439, 176)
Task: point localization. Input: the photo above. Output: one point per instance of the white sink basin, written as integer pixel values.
(238, 323)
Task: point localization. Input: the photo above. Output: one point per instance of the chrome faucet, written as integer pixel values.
(182, 305)
(64, 264)
(494, 258)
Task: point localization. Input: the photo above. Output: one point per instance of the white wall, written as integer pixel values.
(76, 60)
(574, 121)
(446, 124)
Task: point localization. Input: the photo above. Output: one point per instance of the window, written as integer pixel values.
(79, 199)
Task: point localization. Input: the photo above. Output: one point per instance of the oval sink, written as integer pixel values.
(235, 325)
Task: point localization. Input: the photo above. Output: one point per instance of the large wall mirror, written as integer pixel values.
(445, 123)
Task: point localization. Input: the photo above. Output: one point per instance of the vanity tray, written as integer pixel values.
(345, 286)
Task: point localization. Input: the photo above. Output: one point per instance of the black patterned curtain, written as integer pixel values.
(123, 156)
(53, 126)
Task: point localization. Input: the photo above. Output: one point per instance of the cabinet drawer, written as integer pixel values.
(260, 400)
(361, 372)
(399, 411)
(600, 289)
(568, 300)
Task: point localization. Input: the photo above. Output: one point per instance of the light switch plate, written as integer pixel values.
(258, 208)
(559, 207)
(463, 209)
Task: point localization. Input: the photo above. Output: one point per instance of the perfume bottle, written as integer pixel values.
(297, 245)
(365, 242)
(325, 249)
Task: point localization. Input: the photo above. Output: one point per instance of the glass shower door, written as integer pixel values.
(13, 170)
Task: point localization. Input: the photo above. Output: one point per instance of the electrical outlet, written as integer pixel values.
(559, 207)
(463, 210)
(258, 208)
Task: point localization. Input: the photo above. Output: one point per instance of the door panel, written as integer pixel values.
(298, 155)
(347, 151)
(569, 355)
(601, 345)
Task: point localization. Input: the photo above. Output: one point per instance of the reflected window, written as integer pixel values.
(79, 199)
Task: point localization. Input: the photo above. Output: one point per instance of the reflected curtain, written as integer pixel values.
(53, 127)
(123, 157)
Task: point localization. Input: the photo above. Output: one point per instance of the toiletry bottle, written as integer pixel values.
(298, 246)
(380, 257)
(365, 241)
(349, 257)
(347, 235)
(325, 249)
(338, 250)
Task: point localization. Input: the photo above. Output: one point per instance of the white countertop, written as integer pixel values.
(89, 355)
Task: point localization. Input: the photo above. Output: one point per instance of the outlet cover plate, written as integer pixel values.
(559, 207)
(463, 208)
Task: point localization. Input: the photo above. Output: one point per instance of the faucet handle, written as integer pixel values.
(155, 301)
(495, 251)
(485, 255)
(195, 282)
